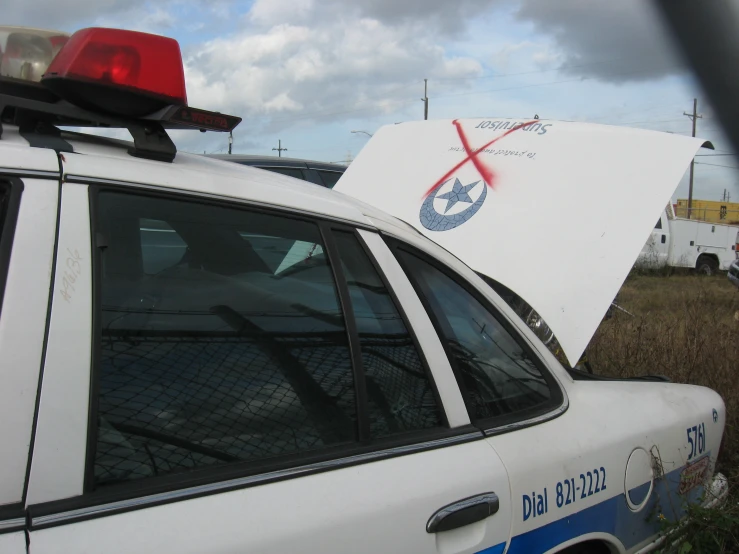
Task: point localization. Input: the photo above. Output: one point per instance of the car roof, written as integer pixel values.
(274, 161)
(105, 160)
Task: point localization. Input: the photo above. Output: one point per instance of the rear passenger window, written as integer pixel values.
(399, 392)
(222, 340)
(497, 375)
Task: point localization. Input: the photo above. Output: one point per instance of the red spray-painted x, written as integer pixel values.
(485, 172)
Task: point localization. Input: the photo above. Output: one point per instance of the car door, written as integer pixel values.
(200, 394)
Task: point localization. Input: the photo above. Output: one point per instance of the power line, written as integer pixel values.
(650, 121)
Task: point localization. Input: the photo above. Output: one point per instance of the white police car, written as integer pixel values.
(202, 357)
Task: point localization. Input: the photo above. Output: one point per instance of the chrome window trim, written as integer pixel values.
(194, 194)
(14, 524)
(242, 482)
(492, 431)
(38, 174)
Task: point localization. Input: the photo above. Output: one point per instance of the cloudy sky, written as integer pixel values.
(309, 72)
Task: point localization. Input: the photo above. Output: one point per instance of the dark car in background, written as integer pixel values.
(320, 173)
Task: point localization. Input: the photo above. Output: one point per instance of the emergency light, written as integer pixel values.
(122, 72)
(98, 78)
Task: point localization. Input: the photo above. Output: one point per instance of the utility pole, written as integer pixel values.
(280, 149)
(425, 99)
(230, 141)
(694, 117)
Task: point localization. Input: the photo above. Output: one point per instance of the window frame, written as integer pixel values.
(240, 474)
(554, 407)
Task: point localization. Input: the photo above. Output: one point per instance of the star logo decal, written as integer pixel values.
(457, 194)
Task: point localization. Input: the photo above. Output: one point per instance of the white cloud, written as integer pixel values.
(318, 71)
(502, 58)
(273, 12)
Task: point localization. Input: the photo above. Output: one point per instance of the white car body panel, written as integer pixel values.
(13, 543)
(368, 508)
(534, 174)
(57, 469)
(605, 422)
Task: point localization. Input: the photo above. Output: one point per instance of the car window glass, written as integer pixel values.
(161, 246)
(497, 375)
(211, 355)
(659, 224)
(330, 178)
(399, 391)
(289, 171)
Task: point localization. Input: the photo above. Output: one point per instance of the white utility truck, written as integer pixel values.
(679, 242)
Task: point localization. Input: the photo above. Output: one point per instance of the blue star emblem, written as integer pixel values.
(457, 194)
(433, 220)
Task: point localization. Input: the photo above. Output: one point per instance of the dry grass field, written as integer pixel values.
(686, 328)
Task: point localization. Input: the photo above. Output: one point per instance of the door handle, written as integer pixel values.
(463, 512)
(664, 239)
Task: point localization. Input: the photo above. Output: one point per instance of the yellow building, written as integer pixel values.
(710, 210)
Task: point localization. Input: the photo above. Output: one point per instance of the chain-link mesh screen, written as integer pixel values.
(399, 392)
(174, 403)
(179, 402)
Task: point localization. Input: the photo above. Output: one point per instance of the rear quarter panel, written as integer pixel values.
(605, 423)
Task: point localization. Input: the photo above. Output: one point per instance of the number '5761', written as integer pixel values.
(696, 440)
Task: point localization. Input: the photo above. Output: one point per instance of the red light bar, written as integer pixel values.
(122, 72)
